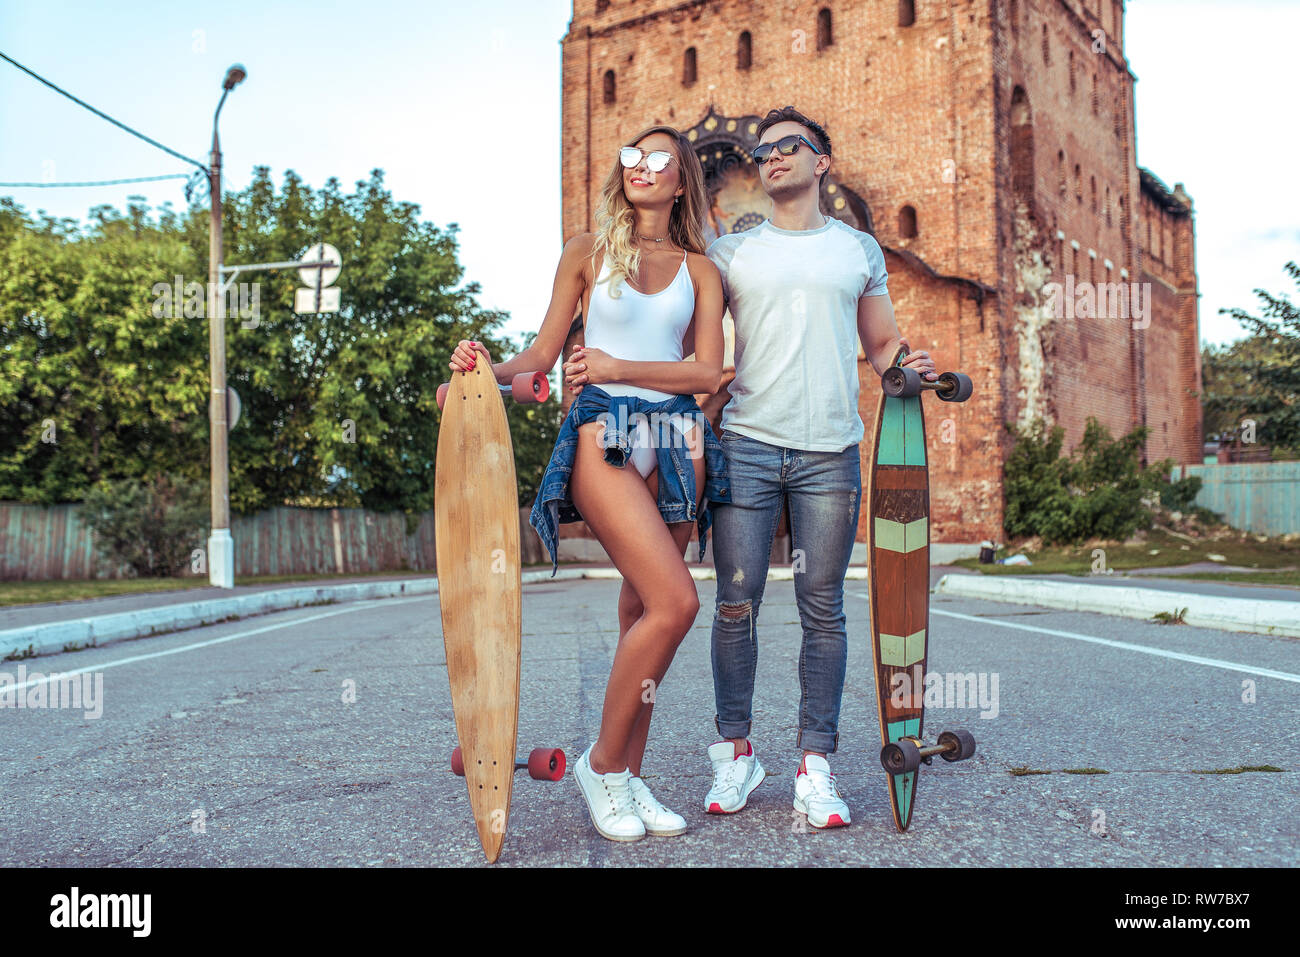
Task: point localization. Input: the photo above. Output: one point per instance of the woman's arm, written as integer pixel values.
(566, 293)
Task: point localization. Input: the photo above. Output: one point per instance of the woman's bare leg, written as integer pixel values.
(630, 607)
(616, 504)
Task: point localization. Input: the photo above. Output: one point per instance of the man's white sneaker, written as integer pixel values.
(656, 818)
(609, 800)
(815, 794)
(733, 778)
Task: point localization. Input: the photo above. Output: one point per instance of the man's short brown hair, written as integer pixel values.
(790, 114)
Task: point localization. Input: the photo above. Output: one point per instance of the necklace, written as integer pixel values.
(652, 239)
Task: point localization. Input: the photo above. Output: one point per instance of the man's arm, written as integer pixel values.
(878, 331)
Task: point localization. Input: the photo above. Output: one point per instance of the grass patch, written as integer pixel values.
(1078, 559)
(1023, 770)
(29, 593)
(1083, 771)
(1170, 617)
(1241, 769)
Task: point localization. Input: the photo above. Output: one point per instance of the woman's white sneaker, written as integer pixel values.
(656, 818)
(733, 778)
(815, 794)
(609, 800)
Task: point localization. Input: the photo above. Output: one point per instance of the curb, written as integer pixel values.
(74, 634)
(1263, 617)
(56, 636)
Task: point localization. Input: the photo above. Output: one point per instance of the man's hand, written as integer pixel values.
(920, 361)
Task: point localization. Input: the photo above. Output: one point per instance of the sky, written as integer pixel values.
(431, 92)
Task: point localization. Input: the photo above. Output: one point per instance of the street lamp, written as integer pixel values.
(221, 549)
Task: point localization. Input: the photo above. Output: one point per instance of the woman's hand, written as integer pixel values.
(589, 367)
(465, 356)
(920, 361)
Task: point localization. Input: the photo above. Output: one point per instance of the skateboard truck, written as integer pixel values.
(543, 764)
(901, 382)
(906, 754)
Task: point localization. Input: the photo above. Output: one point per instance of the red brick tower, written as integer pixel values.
(989, 147)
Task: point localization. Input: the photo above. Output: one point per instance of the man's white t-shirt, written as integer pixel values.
(794, 297)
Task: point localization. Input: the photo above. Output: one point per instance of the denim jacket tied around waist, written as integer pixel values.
(677, 493)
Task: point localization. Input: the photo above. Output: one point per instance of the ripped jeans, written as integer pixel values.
(824, 491)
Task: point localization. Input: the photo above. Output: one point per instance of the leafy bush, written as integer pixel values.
(1100, 490)
(152, 527)
(1177, 496)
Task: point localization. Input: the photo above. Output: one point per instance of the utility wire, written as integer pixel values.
(103, 182)
(102, 114)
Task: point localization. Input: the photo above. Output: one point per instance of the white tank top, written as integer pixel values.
(640, 327)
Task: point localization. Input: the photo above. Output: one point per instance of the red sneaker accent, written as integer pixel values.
(716, 808)
(834, 821)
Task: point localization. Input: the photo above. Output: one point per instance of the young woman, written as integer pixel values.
(649, 297)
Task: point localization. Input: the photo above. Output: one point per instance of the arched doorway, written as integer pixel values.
(737, 199)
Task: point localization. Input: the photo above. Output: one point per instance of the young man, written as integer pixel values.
(802, 288)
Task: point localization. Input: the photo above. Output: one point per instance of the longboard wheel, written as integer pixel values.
(965, 742)
(530, 387)
(442, 393)
(901, 382)
(546, 764)
(954, 386)
(900, 757)
(457, 762)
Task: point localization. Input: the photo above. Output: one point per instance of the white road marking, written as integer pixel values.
(1123, 645)
(357, 606)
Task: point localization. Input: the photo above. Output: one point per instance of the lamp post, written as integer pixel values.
(221, 550)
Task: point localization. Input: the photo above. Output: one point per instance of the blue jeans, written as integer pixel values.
(823, 490)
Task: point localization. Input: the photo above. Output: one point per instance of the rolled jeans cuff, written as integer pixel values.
(732, 729)
(818, 741)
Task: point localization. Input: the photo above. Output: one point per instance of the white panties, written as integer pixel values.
(644, 457)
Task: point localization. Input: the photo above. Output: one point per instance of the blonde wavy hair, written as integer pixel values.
(616, 216)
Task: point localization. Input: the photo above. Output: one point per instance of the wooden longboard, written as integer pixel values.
(476, 530)
(898, 549)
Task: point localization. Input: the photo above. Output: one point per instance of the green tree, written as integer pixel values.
(1259, 377)
(1226, 383)
(93, 387)
(338, 409)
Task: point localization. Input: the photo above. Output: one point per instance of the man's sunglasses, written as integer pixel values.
(788, 145)
(656, 162)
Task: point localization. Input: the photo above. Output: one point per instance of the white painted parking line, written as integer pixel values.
(358, 606)
(1123, 645)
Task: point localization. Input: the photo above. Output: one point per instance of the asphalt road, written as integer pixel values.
(234, 745)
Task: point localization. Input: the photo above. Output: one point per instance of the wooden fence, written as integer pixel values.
(1261, 497)
(39, 543)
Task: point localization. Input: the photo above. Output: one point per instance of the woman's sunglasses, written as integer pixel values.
(788, 145)
(656, 162)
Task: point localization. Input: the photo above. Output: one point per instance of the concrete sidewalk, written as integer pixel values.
(1217, 606)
